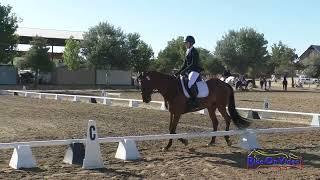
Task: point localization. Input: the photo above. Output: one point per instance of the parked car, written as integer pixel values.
(306, 80)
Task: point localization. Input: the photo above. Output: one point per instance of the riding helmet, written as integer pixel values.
(190, 39)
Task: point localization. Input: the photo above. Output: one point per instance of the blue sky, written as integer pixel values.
(296, 23)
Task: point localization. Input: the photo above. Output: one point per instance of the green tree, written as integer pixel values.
(210, 63)
(140, 53)
(283, 60)
(105, 47)
(243, 50)
(71, 54)
(313, 67)
(172, 56)
(8, 39)
(37, 58)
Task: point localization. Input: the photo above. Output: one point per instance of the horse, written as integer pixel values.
(243, 85)
(220, 95)
(229, 80)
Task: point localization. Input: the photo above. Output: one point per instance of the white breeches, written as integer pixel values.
(193, 76)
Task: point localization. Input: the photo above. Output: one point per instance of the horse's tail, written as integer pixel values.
(238, 120)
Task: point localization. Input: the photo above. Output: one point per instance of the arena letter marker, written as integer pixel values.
(92, 157)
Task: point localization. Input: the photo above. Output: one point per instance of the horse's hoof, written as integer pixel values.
(229, 143)
(185, 142)
(165, 149)
(210, 144)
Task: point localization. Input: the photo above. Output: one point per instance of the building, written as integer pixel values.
(8, 75)
(312, 52)
(55, 38)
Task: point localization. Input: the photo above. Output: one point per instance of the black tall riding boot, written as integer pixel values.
(193, 102)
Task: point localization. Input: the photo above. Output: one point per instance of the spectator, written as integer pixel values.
(284, 83)
(269, 84)
(265, 83)
(226, 73)
(261, 82)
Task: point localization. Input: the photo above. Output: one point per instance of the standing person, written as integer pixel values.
(192, 68)
(261, 82)
(265, 83)
(226, 73)
(269, 84)
(284, 83)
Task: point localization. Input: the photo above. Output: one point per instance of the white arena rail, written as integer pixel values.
(277, 111)
(159, 137)
(80, 96)
(127, 149)
(134, 103)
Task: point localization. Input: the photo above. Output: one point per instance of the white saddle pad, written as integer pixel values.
(202, 86)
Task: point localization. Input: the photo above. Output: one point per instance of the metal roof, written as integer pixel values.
(307, 52)
(316, 47)
(49, 33)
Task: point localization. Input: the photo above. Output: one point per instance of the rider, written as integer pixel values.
(226, 73)
(191, 67)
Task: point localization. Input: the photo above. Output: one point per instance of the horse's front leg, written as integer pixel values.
(170, 128)
(174, 120)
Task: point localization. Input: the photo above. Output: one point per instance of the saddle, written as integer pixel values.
(202, 87)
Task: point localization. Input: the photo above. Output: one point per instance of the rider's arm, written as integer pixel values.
(182, 67)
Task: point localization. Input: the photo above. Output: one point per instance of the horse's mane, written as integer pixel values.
(161, 75)
(172, 85)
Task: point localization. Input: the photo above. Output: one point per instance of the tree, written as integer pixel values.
(313, 67)
(8, 39)
(37, 58)
(283, 60)
(172, 56)
(210, 63)
(243, 50)
(104, 46)
(140, 53)
(71, 54)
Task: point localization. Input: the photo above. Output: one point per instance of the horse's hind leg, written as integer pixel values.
(213, 117)
(222, 110)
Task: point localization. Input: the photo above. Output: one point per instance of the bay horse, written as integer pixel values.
(220, 95)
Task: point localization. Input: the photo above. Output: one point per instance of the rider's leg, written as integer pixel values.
(193, 76)
(193, 88)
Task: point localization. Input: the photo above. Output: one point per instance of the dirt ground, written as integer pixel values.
(25, 119)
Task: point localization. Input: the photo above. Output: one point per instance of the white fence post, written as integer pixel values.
(127, 150)
(22, 158)
(163, 107)
(75, 99)
(249, 141)
(56, 97)
(315, 120)
(204, 111)
(74, 154)
(133, 103)
(107, 102)
(266, 106)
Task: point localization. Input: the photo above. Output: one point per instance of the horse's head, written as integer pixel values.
(146, 80)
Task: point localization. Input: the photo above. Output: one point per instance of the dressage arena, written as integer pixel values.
(29, 118)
